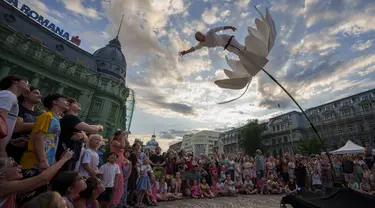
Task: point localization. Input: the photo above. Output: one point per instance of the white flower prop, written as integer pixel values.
(258, 44)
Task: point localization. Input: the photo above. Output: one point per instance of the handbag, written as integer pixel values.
(3, 127)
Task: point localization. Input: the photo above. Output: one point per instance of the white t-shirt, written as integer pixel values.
(109, 172)
(91, 158)
(213, 39)
(164, 188)
(9, 102)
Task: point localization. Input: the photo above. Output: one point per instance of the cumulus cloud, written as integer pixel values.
(210, 16)
(77, 7)
(361, 45)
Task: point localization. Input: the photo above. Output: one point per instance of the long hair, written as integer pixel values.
(63, 181)
(92, 183)
(49, 199)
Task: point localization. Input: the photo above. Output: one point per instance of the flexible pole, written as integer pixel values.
(311, 124)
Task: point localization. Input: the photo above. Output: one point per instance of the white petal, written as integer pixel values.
(255, 45)
(234, 74)
(256, 33)
(234, 84)
(252, 62)
(273, 32)
(236, 66)
(264, 29)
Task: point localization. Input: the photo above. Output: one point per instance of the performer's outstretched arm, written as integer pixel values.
(182, 53)
(217, 29)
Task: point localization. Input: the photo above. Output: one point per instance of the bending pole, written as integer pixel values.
(311, 124)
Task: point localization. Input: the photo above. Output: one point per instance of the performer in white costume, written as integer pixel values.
(252, 55)
(211, 40)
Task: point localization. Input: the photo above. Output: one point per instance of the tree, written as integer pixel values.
(251, 136)
(310, 146)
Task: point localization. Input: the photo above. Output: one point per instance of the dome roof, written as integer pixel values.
(152, 143)
(110, 59)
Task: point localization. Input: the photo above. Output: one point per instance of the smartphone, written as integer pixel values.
(64, 146)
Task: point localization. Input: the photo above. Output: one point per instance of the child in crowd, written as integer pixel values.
(152, 194)
(49, 199)
(88, 197)
(214, 171)
(143, 183)
(272, 185)
(126, 172)
(205, 189)
(352, 184)
(195, 190)
(291, 187)
(90, 158)
(69, 184)
(238, 184)
(249, 187)
(364, 186)
(162, 187)
(316, 179)
(177, 190)
(262, 185)
(109, 171)
(229, 186)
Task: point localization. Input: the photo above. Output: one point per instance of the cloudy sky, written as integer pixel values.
(324, 51)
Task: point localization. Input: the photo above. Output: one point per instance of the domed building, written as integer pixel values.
(152, 144)
(55, 63)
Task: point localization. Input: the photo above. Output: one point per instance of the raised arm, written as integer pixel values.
(192, 49)
(217, 29)
(32, 183)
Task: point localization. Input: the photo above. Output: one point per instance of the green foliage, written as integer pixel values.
(310, 146)
(251, 136)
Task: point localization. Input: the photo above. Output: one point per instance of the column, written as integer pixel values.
(36, 79)
(4, 71)
(60, 89)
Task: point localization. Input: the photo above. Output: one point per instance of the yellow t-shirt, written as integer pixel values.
(50, 126)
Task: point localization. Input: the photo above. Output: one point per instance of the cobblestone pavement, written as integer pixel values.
(242, 201)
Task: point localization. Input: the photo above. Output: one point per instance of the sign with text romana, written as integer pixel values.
(44, 21)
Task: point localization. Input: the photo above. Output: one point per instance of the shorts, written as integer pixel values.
(106, 196)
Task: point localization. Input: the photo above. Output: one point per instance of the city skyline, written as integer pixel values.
(322, 53)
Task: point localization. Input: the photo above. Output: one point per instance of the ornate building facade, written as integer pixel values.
(56, 65)
(349, 118)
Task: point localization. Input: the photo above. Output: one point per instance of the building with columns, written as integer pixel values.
(350, 118)
(56, 65)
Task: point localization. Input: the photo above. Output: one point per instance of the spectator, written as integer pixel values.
(88, 197)
(49, 199)
(69, 184)
(90, 159)
(11, 87)
(45, 135)
(24, 123)
(73, 133)
(11, 183)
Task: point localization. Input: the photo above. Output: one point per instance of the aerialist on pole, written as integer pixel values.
(211, 40)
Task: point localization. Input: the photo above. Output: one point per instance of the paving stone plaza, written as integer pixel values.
(242, 201)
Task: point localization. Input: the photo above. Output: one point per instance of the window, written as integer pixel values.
(273, 141)
(279, 140)
(328, 116)
(97, 106)
(285, 139)
(367, 107)
(282, 126)
(345, 112)
(335, 105)
(366, 97)
(113, 111)
(274, 128)
(319, 110)
(278, 127)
